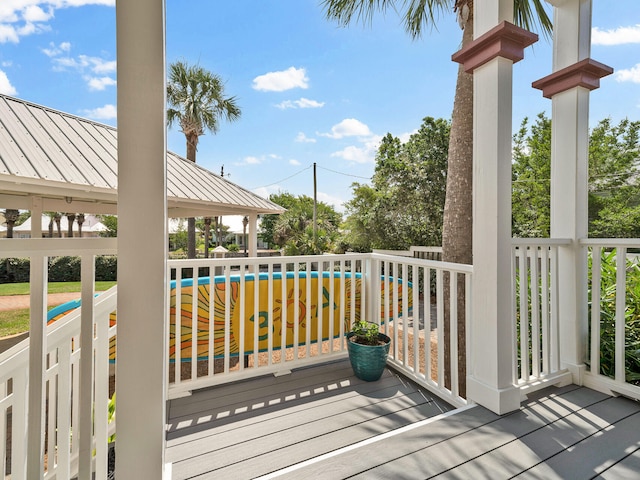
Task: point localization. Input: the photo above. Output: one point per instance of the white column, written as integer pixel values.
(490, 379)
(569, 181)
(142, 244)
(253, 235)
(36, 217)
(37, 350)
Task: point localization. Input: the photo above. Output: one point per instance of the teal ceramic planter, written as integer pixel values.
(368, 361)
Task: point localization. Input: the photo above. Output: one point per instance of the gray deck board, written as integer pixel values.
(554, 446)
(323, 422)
(627, 468)
(286, 420)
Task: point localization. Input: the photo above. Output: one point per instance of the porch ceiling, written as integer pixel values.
(71, 163)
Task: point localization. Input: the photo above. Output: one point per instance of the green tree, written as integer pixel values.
(268, 222)
(614, 182)
(293, 230)
(197, 102)
(531, 173)
(404, 205)
(111, 222)
(417, 16)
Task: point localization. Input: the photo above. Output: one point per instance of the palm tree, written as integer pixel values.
(196, 103)
(11, 217)
(56, 218)
(71, 217)
(80, 219)
(419, 15)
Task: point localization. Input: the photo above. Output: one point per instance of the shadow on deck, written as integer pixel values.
(323, 422)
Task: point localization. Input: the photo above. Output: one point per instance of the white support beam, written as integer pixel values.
(86, 414)
(490, 380)
(36, 212)
(569, 180)
(37, 350)
(253, 235)
(142, 225)
(497, 45)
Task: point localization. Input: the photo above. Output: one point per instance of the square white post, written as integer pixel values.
(253, 235)
(574, 75)
(496, 46)
(141, 355)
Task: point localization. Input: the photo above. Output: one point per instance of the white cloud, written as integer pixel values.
(629, 75)
(54, 51)
(19, 18)
(103, 66)
(338, 203)
(264, 192)
(294, 162)
(5, 85)
(354, 154)
(302, 138)
(349, 127)
(281, 81)
(33, 13)
(8, 34)
(404, 137)
(108, 112)
(94, 70)
(360, 154)
(616, 36)
(99, 83)
(84, 62)
(302, 103)
(252, 160)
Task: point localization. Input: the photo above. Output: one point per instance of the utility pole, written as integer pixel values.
(315, 210)
(219, 219)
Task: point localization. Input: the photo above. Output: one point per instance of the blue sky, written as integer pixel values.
(309, 90)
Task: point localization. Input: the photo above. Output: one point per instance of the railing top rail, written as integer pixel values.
(521, 242)
(425, 249)
(53, 247)
(266, 260)
(435, 264)
(611, 242)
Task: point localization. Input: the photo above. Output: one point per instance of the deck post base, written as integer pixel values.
(498, 400)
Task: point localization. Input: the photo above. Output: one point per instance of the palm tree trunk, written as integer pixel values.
(70, 219)
(11, 216)
(80, 220)
(192, 142)
(458, 208)
(57, 220)
(207, 228)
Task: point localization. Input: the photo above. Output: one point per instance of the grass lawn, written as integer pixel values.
(14, 321)
(17, 321)
(56, 287)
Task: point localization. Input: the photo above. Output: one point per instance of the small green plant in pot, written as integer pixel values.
(368, 350)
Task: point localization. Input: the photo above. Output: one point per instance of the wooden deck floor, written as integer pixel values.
(323, 422)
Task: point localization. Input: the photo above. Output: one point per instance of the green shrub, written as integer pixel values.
(608, 316)
(61, 269)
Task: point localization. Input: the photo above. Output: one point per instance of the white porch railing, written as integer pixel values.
(315, 315)
(296, 311)
(614, 324)
(535, 312)
(67, 403)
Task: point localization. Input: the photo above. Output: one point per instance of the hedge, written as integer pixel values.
(61, 269)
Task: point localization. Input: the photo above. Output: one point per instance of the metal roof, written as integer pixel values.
(71, 163)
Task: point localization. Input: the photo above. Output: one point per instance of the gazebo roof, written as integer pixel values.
(72, 164)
